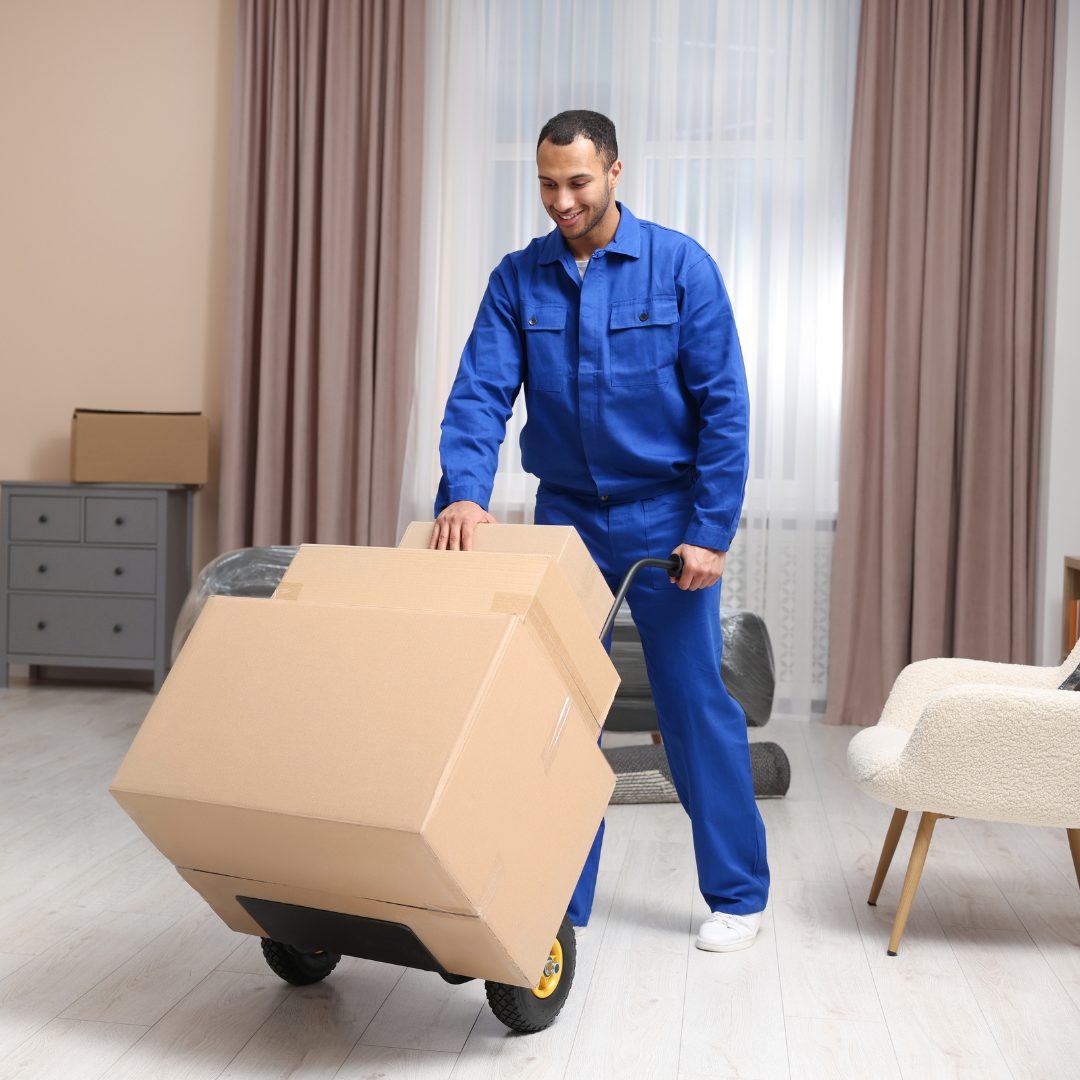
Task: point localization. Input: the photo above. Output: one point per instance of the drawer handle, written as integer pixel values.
(41, 625)
(42, 568)
(43, 518)
(118, 571)
(119, 521)
(117, 628)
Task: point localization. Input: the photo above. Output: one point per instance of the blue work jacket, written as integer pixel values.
(634, 380)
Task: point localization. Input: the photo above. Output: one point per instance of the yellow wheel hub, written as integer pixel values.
(552, 973)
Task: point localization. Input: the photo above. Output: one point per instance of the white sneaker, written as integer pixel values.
(722, 932)
(580, 932)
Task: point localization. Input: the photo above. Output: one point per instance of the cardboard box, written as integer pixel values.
(561, 542)
(530, 586)
(426, 768)
(139, 447)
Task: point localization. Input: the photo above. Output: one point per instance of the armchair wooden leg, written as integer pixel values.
(911, 881)
(1074, 847)
(892, 837)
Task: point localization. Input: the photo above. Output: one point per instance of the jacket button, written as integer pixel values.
(532, 321)
(643, 316)
(604, 498)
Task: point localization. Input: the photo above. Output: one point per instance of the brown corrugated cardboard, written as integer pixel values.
(423, 767)
(530, 586)
(559, 541)
(139, 447)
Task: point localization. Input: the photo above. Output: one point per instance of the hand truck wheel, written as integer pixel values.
(301, 967)
(523, 1009)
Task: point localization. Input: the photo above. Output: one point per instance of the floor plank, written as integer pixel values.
(652, 912)
(840, 1050)
(631, 1023)
(423, 1012)
(938, 1031)
(247, 958)
(1035, 1023)
(315, 1028)
(70, 1048)
(1015, 862)
(144, 989)
(1053, 922)
(733, 1016)
(10, 962)
(383, 1062)
(800, 847)
(198, 1038)
(824, 972)
(35, 993)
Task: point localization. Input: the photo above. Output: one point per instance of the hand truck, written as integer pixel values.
(303, 945)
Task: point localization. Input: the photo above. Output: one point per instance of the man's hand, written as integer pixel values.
(454, 526)
(702, 566)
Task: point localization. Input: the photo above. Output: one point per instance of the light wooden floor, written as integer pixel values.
(111, 967)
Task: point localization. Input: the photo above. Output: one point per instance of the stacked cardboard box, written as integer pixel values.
(139, 447)
(401, 735)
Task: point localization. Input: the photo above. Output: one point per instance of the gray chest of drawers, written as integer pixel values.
(92, 575)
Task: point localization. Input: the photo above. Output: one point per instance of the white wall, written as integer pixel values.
(1059, 532)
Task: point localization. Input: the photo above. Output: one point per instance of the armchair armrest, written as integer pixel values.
(921, 682)
(1003, 753)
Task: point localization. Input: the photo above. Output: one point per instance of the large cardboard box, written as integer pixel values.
(561, 542)
(139, 447)
(425, 768)
(533, 587)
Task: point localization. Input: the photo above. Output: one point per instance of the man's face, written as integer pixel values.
(574, 185)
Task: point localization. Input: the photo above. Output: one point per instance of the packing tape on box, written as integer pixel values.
(552, 747)
(288, 590)
(546, 627)
(508, 603)
(528, 608)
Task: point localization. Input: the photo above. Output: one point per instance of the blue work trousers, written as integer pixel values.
(703, 727)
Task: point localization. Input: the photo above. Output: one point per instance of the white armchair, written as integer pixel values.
(968, 738)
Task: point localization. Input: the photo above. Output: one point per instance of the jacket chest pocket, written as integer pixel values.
(643, 340)
(545, 346)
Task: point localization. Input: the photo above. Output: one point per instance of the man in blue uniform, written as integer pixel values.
(622, 334)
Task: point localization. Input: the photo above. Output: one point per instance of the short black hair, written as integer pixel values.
(563, 129)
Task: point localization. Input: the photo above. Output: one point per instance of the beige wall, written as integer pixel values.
(114, 129)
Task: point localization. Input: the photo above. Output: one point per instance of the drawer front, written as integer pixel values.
(81, 626)
(44, 517)
(81, 569)
(121, 521)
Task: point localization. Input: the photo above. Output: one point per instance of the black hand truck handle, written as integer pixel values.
(674, 566)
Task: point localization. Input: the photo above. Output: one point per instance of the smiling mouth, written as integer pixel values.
(565, 219)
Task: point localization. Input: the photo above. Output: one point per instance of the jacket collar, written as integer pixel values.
(627, 240)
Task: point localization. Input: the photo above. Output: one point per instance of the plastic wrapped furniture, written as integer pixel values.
(968, 738)
(748, 672)
(746, 667)
(254, 571)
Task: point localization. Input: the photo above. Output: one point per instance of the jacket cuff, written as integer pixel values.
(708, 536)
(463, 493)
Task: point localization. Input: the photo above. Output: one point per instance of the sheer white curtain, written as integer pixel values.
(734, 123)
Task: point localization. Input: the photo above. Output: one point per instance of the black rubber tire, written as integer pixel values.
(297, 966)
(519, 1008)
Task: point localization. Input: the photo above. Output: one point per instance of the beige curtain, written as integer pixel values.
(943, 315)
(324, 269)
